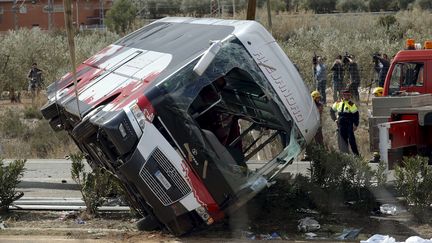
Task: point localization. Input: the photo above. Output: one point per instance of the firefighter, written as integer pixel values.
(378, 92)
(346, 115)
(316, 96)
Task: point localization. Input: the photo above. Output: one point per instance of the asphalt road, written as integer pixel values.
(49, 178)
(52, 177)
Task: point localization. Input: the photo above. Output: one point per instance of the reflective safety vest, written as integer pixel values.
(347, 112)
(344, 106)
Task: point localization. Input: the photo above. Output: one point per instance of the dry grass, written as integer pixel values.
(35, 139)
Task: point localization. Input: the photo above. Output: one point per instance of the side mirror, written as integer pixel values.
(207, 58)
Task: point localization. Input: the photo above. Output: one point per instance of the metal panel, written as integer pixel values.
(382, 106)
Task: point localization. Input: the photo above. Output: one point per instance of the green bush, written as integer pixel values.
(11, 126)
(414, 182)
(424, 4)
(95, 186)
(387, 21)
(32, 112)
(337, 177)
(381, 174)
(10, 176)
(351, 5)
(121, 16)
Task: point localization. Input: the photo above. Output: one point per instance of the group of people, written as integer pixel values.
(346, 96)
(347, 64)
(338, 68)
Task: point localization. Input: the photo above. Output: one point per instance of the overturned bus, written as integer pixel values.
(179, 110)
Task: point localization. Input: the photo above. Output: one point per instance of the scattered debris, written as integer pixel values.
(80, 221)
(311, 235)
(388, 209)
(68, 215)
(2, 225)
(377, 238)
(308, 224)
(349, 234)
(307, 210)
(117, 201)
(252, 236)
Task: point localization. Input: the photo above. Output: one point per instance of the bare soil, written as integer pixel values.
(249, 223)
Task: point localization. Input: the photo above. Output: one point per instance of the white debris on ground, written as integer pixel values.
(308, 224)
(388, 239)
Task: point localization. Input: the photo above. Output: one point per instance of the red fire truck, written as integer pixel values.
(401, 120)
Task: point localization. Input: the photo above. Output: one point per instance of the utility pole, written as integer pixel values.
(15, 10)
(50, 10)
(251, 8)
(233, 8)
(269, 15)
(101, 12)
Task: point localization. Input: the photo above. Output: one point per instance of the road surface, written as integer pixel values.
(52, 177)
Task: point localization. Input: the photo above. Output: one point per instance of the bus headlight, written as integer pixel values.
(139, 115)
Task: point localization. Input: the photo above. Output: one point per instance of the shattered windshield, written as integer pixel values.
(236, 114)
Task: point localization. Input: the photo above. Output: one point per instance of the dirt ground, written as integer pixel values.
(248, 224)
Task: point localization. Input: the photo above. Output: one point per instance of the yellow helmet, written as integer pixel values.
(315, 94)
(378, 91)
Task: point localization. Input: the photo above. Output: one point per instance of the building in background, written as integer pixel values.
(49, 14)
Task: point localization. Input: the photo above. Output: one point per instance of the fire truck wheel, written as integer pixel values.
(148, 223)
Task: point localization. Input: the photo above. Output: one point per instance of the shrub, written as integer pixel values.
(351, 5)
(32, 112)
(337, 177)
(413, 181)
(11, 125)
(94, 186)
(10, 176)
(121, 16)
(424, 4)
(387, 21)
(381, 174)
(378, 5)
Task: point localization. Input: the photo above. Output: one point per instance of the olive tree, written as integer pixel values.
(120, 17)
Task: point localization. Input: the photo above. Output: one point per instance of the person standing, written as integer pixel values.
(321, 78)
(338, 72)
(346, 115)
(384, 65)
(354, 76)
(316, 96)
(35, 79)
